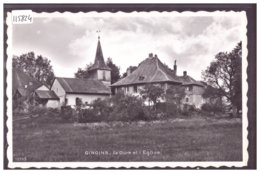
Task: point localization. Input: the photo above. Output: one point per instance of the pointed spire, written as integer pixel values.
(99, 59)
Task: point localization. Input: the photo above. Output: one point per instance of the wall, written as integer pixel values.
(59, 91)
(43, 88)
(101, 73)
(53, 104)
(85, 98)
(194, 96)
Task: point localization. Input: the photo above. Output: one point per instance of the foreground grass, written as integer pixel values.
(194, 139)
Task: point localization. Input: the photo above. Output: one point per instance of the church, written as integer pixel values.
(97, 85)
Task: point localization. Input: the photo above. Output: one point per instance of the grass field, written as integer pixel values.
(194, 139)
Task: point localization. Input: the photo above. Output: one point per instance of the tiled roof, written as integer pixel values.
(83, 86)
(24, 82)
(151, 70)
(43, 94)
(187, 80)
(99, 60)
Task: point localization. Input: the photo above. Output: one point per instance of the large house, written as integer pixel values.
(153, 71)
(70, 90)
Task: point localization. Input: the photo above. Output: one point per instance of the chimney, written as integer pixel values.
(175, 68)
(150, 55)
(184, 73)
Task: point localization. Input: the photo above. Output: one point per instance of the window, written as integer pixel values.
(190, 88)
(135, 89)
(141, 77)
(66, 101)
(187, 99)
(104, 75)
(127, 89)
(78, 101)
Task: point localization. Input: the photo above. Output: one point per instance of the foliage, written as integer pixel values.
(224, 74)
(131, 70)
(213, 107)
(115, 70)
(128, 108)
(83, 73)
(66, 112)
(37, 67)
(153, 93)
(175, 94)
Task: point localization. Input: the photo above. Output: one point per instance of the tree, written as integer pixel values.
(83, 73)
(115, 70)
(175, 94)
(224, 75)
(153, 93)
(131, 70)
(37, 67)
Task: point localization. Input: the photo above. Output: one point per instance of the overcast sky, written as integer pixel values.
(71, 43)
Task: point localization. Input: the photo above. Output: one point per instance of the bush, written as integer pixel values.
(187, 109)
(212, 108)
(66, 112)
(166, 109)
(128, 108)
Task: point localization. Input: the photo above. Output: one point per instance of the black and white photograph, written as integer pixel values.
(127, 89)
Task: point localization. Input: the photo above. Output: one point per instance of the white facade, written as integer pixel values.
(53, 104)
(69, 98)
(85, 98)
(43, 88)
(59, 91)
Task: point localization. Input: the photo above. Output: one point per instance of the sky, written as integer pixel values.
(70, 41)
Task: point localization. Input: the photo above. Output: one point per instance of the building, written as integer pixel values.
(31, 91)
(70, 90)
(153, 71)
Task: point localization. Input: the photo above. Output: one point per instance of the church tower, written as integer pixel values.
(99, 70)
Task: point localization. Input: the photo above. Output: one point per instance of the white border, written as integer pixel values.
(128, 164)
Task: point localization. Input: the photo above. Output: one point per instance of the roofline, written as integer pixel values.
(193, 84)
(145, 83)
(87, 93)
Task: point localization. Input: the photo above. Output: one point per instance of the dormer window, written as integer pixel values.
(141, 77)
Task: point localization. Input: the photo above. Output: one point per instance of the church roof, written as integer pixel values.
(46, 94)
(83, 86)
(99, 59)
(25, 83)
(151, 70)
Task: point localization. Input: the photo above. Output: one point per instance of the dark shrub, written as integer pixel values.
(167, 109)
(128, 108)
(99, 111)
(187, 109)
(212, 108)
(37, 110)
(66, 112)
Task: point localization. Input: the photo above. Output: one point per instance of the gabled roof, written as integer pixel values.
(83, 86)
(151, 70)
(23, 82)
(46, 94)
(99, 59)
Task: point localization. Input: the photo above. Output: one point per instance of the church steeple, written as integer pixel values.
(99, 62)
(99, 70)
